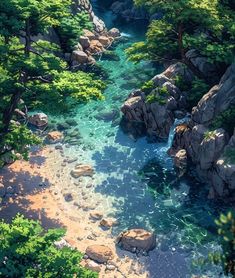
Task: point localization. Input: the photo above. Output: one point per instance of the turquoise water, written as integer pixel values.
(137, 179)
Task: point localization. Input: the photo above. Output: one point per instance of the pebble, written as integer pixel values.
(110, 267)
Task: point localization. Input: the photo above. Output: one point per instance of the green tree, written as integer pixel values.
(71, 28)
(27, 250)
(207, 26)
(32, 69)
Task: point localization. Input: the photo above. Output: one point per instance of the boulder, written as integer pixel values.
(93, 266)
(54, 137)
(38, 120)
(90, 35)
(99, 253)
(84, 41)
(79, 56)
(82, 170)
(180, 159)
(108, 223)
(95, 47)
(114, 33)
(104, 40)
(211, 148)
(96, 215)
(61, 244)
(137, 240)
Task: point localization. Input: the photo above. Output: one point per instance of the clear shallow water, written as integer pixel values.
(136, 179)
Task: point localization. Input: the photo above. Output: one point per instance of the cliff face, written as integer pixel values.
(211, 150)
(204, 140)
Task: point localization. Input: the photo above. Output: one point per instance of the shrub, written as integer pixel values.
(27, 250)
(71, 28)
(148, 86)
(159, 95)
(226, 229)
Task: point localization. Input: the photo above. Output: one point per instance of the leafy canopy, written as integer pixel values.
(207, 26)
(27, 250)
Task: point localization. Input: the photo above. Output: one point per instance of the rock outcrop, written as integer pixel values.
(211, 150)
(160, 105)
(137, 240)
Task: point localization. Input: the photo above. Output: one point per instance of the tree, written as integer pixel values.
(27, 250)
(207, 26)
(32, 69)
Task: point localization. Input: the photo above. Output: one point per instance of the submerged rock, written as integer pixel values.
(82, 170)
(137, 240)
(99, 253)
(54, 137)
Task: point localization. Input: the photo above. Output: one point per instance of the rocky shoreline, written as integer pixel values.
(157, 105)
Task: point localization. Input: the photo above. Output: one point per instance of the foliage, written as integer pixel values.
(71, 28)
(226, 229)
(53, 97)
(33, 71)
(207, 26)
(19, 138)
(209, 135)
(198, 89)
(229, 155)
(159, 95)
(195, 90)
(225, 120)
(29, 251)
(148, 86)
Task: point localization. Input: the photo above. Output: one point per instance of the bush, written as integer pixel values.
(226, 229)
(71, 28)
(148, 86)
(29, 251)
(159, 95)
(18, 139)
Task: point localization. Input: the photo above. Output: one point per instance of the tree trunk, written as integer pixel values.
(187, 61)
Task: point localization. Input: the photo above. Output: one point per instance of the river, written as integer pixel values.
(135, 180)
